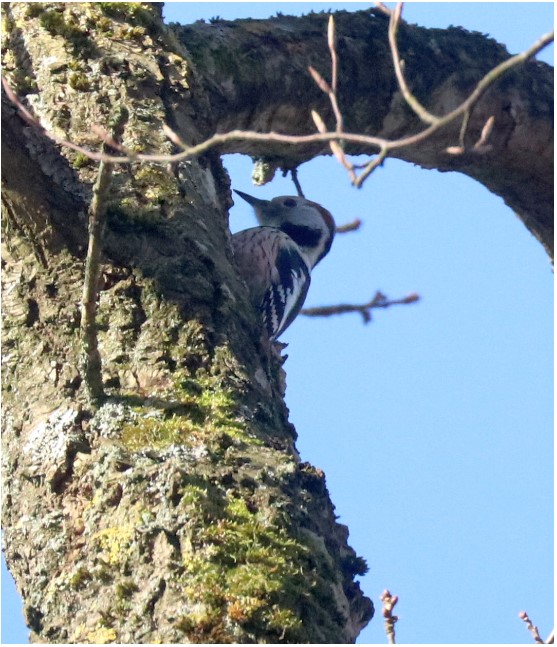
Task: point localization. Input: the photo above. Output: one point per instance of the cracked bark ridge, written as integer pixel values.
(179, 511)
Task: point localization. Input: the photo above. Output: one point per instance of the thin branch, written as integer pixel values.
(532, 628)
(493, 75)
(192, 151)
(337, 147)
(331, 42)
(108, 139)
(389, 603)
(383, 146)
(498, 71)
(349, 226)
(410, 99)
(91, 358)
(465, 109)
(173, 136)
(482, 145)
(294, 176)
(378, 301)
(463, 129)
(383, 8)
(370, 167)
(330, 90)
(466, 106)
(320, 81)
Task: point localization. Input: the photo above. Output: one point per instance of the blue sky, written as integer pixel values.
(433, 423)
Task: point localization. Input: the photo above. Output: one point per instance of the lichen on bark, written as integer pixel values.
(179, 509)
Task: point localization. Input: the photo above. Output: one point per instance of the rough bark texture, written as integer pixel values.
(255, 72)
(179, 509)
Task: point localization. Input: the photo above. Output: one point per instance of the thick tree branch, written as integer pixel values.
(506, 166)
(385, 146)
(519, 163)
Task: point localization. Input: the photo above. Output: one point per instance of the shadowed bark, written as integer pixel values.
(256, 75)
(179, 510)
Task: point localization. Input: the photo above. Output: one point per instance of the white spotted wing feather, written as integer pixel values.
(276, 272)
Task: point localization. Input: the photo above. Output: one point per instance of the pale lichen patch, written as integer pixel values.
(52, 444)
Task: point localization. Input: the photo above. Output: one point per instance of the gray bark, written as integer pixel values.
(179, 509)
(256, 75)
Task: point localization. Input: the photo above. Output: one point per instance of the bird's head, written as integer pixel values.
(309, 224)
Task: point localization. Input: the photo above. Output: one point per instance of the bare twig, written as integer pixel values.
(319, 123)
(481, 144)
(494, 74)
(466, 106)
(294, 176)
(320, 81)
(108, 139)
(383, 8)
(337, 147)
(465, 109)
(462, 134)
(189, 152)
(378, 301)
(23, 112)
(330, 90)
(91, 358)
(383, 146)
(532, 628)
(410, 99)
(370, 167)
(389, 603)
(331, 42)
(349, 226)
(173, 136)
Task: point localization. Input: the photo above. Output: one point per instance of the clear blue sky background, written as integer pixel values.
(434, 423)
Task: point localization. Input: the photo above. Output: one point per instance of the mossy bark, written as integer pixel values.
(178, 510)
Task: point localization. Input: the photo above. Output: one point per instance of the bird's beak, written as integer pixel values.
(256, 203)
(263, 208)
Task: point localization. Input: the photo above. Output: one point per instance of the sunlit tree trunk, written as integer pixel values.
(178, 510)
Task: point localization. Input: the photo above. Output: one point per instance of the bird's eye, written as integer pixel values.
(289, 203)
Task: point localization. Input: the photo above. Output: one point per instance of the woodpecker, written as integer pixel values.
(276, 259)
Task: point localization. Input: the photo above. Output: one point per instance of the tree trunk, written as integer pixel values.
(178, 510)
